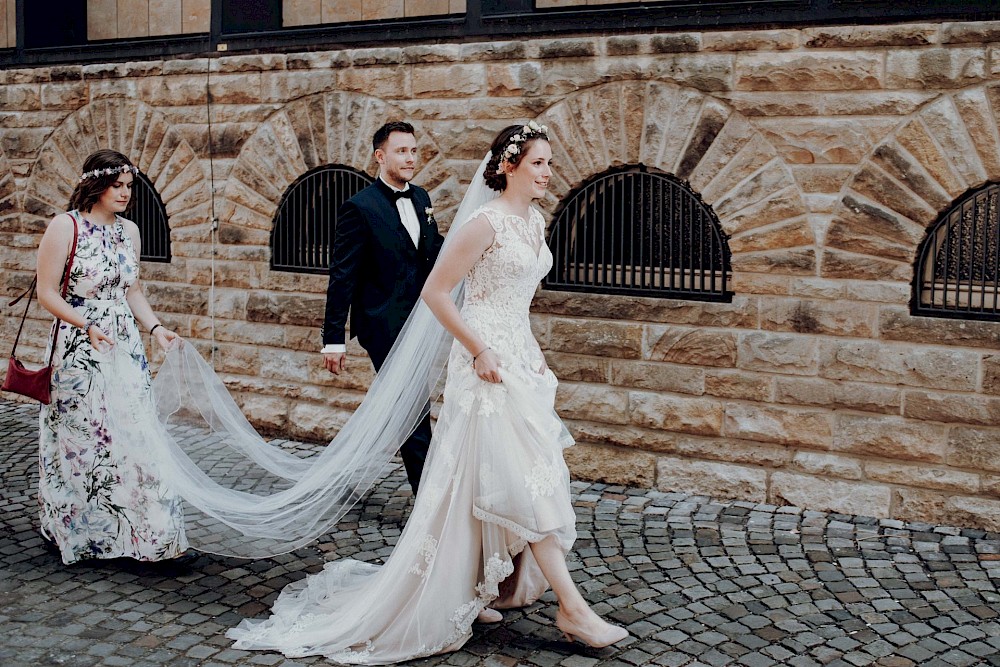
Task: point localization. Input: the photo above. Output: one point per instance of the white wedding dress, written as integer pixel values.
(494, 481)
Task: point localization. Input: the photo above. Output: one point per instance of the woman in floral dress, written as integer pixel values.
(99, 495)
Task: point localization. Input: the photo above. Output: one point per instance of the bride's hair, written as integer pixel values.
(500, 150)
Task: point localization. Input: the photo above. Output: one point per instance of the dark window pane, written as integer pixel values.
(55, 23)
(637, 231)
(147, 211)
(307, 217)
(250, 15)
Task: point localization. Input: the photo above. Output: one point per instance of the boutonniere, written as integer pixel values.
(429, 212)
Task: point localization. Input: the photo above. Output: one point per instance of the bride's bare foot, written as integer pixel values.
(489, 616)
(589, 628)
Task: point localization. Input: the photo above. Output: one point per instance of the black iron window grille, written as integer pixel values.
(957, 271)
(146, 210)
(639, 232)
(307, 217)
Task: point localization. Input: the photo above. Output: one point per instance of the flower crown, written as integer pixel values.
(514, 144)
(109, 171)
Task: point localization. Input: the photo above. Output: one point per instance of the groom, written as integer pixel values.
(384, 246)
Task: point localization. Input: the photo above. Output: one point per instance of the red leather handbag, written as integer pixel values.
(20, 379)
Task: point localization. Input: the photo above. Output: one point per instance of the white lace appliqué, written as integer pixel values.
(543, 479)
(428, 549)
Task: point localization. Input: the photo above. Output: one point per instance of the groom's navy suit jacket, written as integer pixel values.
(376, 272)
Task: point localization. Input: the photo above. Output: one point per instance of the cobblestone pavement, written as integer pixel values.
(697, 582)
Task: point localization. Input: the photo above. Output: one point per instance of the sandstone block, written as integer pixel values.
(991, 374)
(975, 448)
(778, 353)
(797, 232)
(944, 122)
(889, 437)
(770, 423)
(239, 359)
(750, 40)
(837, 394)
(658, 377)
(900, 165)
(268, 414)
(718, 480)
(824, 140)
(741, 313)
(614, 339)
(383, 82)
(759, 283)
(611, 465)
(711, 72)
(916, 139)
(448, 80)
(892, 293)
(827, 465)
(873, 183)
(513, 79)
(618, 435)
(913, 34)
(731, 450)
(315, 423)
(859, 70)
(934, 68)
(889, 363)
(919, 505)
(306, 310)
(922, 477)
(593, 403)
(738, 384)
(699, 416)
(827, 495)
(975, 511)
(840, 264)
(699, 347)
(972, 32)
(896, 323)
(812, 316)
(951, 408)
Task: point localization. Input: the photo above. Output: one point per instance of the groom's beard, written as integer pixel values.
(394, 174)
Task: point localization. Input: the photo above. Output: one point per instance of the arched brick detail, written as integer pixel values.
(134, 129)
(696, 137)
(949, 146)
(8, 195)
(325, 128)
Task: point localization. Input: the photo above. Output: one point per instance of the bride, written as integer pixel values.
(493, 521)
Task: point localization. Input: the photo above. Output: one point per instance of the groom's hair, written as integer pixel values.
(382, 134)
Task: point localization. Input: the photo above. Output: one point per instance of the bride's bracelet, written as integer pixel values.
(476, 356)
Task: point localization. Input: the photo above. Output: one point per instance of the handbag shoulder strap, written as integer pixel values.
(30, 293)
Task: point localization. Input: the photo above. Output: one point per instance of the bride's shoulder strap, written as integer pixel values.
(493, 216)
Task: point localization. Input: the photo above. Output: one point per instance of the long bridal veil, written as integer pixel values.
(245, 497)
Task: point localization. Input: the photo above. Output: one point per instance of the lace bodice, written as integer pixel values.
(500, 286)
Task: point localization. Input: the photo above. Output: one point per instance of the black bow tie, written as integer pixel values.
(396, 195)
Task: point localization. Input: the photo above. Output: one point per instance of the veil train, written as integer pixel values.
(247, 498)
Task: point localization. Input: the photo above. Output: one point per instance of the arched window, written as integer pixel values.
(307, 216)
(958, 265)
(147, 211)
(639, 232)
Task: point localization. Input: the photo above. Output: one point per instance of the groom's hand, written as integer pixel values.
(335, 362)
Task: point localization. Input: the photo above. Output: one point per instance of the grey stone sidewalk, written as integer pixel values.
(698, 582)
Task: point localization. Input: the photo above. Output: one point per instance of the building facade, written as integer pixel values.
(789, 291)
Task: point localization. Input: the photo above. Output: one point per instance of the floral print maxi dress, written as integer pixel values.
(99, 495)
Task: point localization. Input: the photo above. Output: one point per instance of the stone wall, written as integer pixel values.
(825, 152)
(120, 19)
(316, 12)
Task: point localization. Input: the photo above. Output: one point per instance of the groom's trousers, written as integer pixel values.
(414, 449)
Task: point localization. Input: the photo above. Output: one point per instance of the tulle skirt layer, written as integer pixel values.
(494, 481)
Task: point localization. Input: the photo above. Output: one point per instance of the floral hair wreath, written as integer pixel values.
(514, 144)
(109, 171)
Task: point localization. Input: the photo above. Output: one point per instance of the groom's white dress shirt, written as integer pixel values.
(408, 215)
